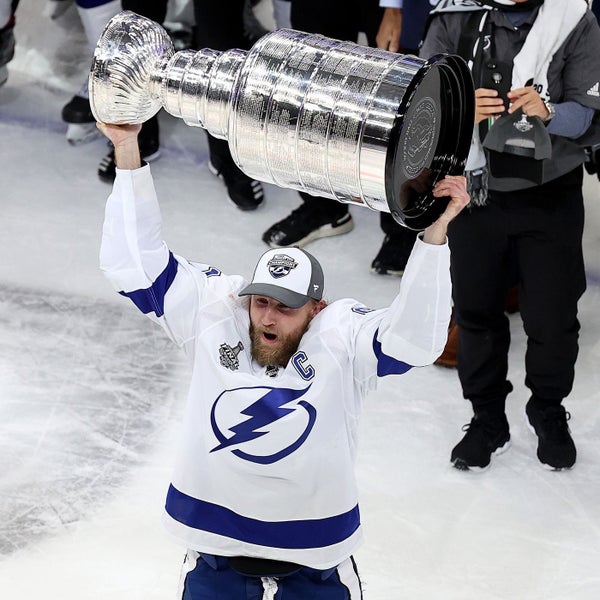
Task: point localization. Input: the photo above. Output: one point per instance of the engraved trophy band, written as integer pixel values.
(302, 111)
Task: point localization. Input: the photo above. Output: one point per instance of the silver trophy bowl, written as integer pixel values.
(302, 111)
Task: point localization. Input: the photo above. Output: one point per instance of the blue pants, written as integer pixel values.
(212, 578)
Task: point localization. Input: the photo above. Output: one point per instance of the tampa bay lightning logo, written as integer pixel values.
(270, 428)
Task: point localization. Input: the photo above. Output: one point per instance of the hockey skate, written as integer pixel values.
(78, 115)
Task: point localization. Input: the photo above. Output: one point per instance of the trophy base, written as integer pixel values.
(429, 140)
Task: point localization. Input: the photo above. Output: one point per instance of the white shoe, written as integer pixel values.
(82, 133)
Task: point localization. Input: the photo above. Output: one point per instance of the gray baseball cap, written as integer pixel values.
(291, 276)
(517, 146)
(521, 135)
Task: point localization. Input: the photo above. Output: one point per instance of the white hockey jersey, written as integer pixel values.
(265, 466)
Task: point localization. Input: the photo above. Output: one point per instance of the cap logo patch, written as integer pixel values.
(281, 265)
(523, 125)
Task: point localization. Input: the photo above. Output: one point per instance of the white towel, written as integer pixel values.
(555, 20)
(553, 24)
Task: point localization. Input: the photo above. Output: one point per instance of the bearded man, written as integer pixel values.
(263, 494)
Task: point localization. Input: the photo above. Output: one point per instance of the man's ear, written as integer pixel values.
(318, 307)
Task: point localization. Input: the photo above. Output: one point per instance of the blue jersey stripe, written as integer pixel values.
(91, 3)
(152, 299)
(386, 365)
(301, 534)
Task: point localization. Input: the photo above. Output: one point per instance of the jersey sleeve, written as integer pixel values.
(412, 332)
(135, 259)
(133, 255)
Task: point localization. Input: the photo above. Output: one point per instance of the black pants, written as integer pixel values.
(341, 20)
(151, 9)
(220, 26)
(535, 236)
(338, 19)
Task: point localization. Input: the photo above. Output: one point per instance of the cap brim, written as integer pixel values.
(283, 295)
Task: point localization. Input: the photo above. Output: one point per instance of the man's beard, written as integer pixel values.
(278, 354)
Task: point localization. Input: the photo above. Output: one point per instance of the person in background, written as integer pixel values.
(317, 217)
(77, 113)
(401, 30)
(388, 25)
(94, 15)
(221, 26)
(149, 138)
(263, 494)
(536, 68)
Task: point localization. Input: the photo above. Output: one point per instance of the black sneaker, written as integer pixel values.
(486, 435)
(556, 449)
(107, 172)
(392, 256)
(246, 193)
(78, 110)
(305, 224)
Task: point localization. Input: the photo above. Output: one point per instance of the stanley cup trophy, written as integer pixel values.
(302, 111)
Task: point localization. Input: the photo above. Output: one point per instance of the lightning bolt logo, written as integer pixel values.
(268, 409)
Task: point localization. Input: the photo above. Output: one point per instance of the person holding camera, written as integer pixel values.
(536, 69)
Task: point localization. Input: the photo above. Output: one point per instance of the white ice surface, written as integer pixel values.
(90, 392)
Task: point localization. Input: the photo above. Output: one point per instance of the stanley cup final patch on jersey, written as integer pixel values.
(229, 356)
(281, 265)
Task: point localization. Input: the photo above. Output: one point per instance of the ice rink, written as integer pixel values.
(91, 393)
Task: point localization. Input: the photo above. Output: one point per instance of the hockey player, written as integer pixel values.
(264, 493)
